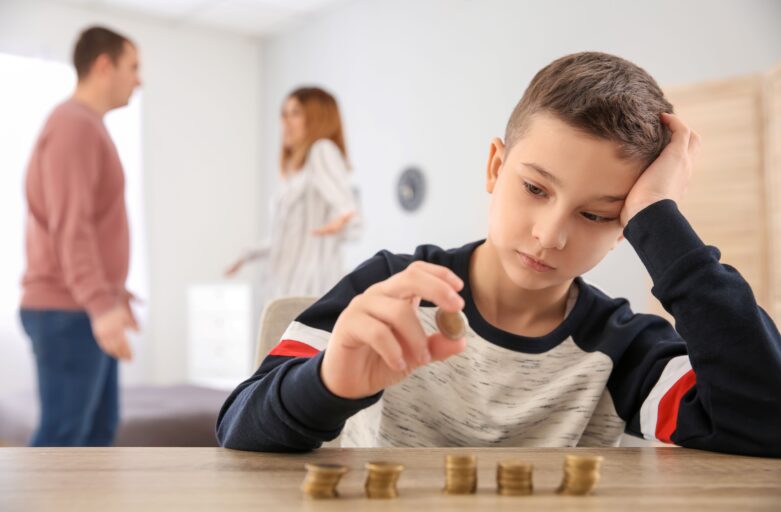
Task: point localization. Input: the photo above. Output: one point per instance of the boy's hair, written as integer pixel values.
(92, 43)
(603, 95)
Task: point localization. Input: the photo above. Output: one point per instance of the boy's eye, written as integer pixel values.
(591, 217)
(596, 218)
(533, 189)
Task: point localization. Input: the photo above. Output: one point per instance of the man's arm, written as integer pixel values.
(71, 164)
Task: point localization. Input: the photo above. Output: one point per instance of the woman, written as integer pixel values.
(315, 208)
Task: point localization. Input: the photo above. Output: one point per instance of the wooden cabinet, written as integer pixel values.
(734, 200)
(772, 102)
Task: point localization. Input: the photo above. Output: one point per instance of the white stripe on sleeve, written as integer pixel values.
(676, 368)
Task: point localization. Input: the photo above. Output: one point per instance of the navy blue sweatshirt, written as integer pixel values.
(713, 382)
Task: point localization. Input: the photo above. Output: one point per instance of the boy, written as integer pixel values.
(591, 154)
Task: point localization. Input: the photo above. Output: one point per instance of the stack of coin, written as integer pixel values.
(460, 474)
(452, 325)
(381, 478)
(513, 478)
(321, 480)
(581, 474)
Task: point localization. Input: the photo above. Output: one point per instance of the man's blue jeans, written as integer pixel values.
(77, 382)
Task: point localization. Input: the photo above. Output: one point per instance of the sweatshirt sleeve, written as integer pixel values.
(713, 382)
(284, 406)
(71, 163)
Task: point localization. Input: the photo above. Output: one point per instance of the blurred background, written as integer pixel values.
(423, 83)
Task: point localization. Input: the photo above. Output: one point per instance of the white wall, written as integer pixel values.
(430, 82)
(426, 82)
(200, 140)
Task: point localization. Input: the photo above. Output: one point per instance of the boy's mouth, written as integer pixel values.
(533, 263)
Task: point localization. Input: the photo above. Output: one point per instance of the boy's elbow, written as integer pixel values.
(768, 443)
(257, 441)
(230, 436)
(236, 442)
(753, 447)
(226, 439)
(757, 442)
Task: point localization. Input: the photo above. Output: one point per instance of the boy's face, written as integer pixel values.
(556, 197)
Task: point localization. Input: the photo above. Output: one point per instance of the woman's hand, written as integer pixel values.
(235, 267)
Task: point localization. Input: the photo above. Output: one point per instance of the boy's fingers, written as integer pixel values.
(674, 122)
(444, 273)
(401, 318)
(380, 339)
(681, 133)
(438, 270)
(695, 142)
(442, 347)
(420, 283)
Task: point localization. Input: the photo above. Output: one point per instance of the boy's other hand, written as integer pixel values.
(668, 176)
(378, 339)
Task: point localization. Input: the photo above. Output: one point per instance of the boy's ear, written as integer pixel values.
(495, 161)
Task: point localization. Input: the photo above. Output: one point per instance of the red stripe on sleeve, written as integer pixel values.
(667, 417)
(293, 348)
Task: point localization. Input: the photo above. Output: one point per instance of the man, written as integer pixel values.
(75, 308)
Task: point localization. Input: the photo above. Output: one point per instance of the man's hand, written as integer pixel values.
(668, 176)
(109, 330)
(378, 340)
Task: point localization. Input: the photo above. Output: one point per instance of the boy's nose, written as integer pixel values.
(551, 233)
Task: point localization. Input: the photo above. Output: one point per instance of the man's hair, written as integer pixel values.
(602, 95)
(93, 42)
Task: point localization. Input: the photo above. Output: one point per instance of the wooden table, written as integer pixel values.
(150, 479)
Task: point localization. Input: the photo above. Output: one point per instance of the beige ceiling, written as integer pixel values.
(251, 17)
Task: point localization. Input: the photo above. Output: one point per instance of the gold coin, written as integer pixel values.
(581, 474)
(514, 478)
(321, 480)
(452, 325)
(460, 474)
(381, 479)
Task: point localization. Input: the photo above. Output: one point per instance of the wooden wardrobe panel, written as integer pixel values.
(727, 195)
(772, 102)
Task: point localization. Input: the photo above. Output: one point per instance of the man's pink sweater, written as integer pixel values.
(77, 230)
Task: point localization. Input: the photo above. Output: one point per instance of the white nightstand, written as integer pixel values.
(221, 334)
